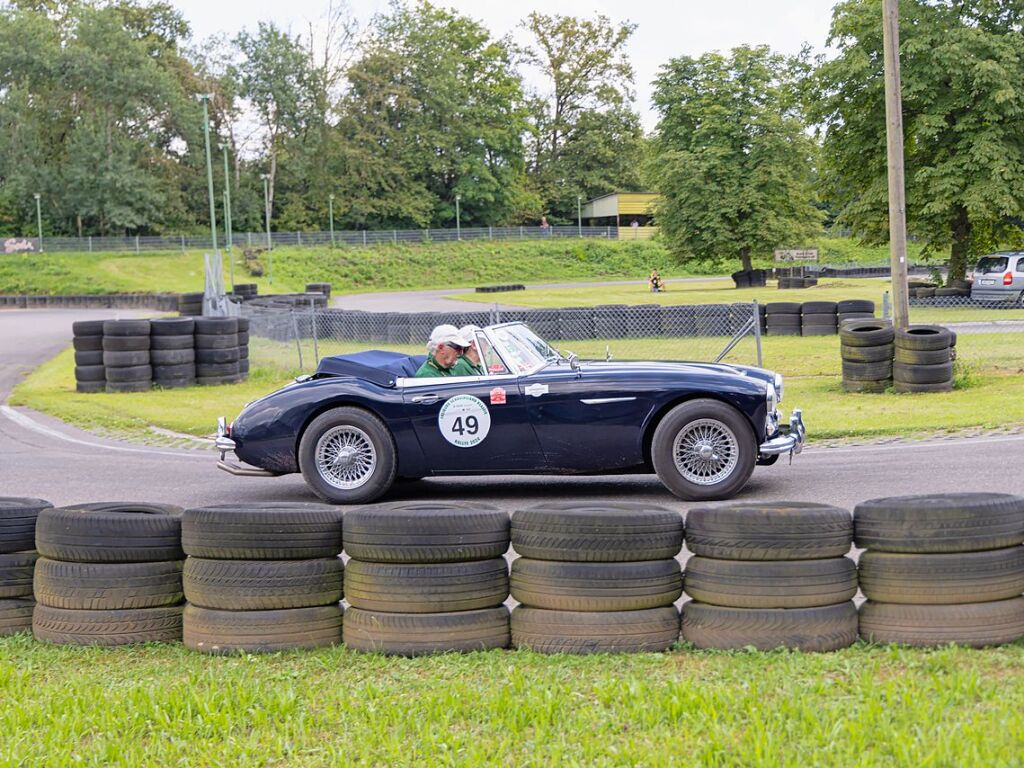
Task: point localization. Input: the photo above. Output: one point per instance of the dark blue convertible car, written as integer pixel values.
(362, 421)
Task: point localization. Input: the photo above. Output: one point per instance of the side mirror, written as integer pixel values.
(574, 361)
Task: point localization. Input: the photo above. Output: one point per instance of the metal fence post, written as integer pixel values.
(364, 237)
(757, 332)
(520, 233)
(248, 239)
(886, 306)
(394, 236)
(298, 239)
(312, 322)
(298, 342)
(490, 233)
(136, 244)
(90, 243)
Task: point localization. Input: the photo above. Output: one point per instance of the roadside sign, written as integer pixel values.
(19, 245)
(808, 254)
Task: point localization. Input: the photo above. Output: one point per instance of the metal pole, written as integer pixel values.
(897, 191)
(227, 214)
(266, 211)
(298, 343)
(312, 322)
(330, 216)
(205, 98)
(757, 332)
(579, 214)
(458, 221)
(39, 221)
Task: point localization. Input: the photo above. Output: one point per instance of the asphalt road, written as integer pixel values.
(39, 456)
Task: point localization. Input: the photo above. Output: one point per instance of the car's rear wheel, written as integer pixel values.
(347, 456)
(704, 450)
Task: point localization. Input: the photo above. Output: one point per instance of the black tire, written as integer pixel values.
(579, 632)
(952, 522)
(90, 373)
(216, 341)
(128, 386)
(215, 381)
(223, 632)
(849, 317)
(125, 328)
(110, 532)
(770, 584)
(87, 343)
(902, 387)
(782, 308)
(375, 438)
(601, 532)
(212, 356)
(175, 383)
(107, 586)
(855, 305)
(138, 625)
(125, 343)
(974, 624)
(783, 321)
(867, 387)
(16, 616)
(87, 328)
(819, 319)
(16, 571)
(216, 326)
(944, 579)
(128, 373)
(434, 588)
(91, 386)
(126, 359)
(924, 338)
(782, 531)
(924, 357)
(821, 629)
(172, 326)
(167, 343)
(880, 371)
(867, 333)
(721, 418)
(88, 358)
(818, 330)
(826, 308)
(572, 586)
(903, 373)
(173, 357)
(184, 371)
(426, 533)
(881, 353)
(783, 330)
(216, 370)
(257, 585)
(419, 634)
(262, 531)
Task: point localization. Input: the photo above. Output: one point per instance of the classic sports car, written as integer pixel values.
(362, 421)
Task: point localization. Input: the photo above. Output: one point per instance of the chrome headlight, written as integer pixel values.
(772, 414)
(778, 387)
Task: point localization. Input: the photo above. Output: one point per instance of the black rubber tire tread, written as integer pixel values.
(137, 625)
(16, 571)
(110, 532)
(87, 343)
(259, 585)
(215, 381)
(107, 586)
(129, 373)
(580, 632)
(125, 343)
(973, 624)
(125, 328)
(924, 337)
(769, 531)
(903, 387)
(604, 532)
(937, 523)
(215, 340)
(174, 383)
(923, 357)
(126, 359)
(855, 305)
(211, 356)
(866, 333)
(90, 373)
(172, 326)
(818, 330)
(216, 326)
(850, 317)
(783, 330)
(922, 374)
(89, 358)
(87, 328)
(879, 371)
(783, 321)
(216, 370)
(16, 616)
(569, 586)
(867, 387)
(821, 629)
(782, 308)
(184, 371)
(426, 532)
(166, 343)
(770, 583)
(819, 308)
(91, 386)
(943, 579)
(819, 319)
(419, 634)
(262, 531)
(169, 357)
(881, 353)
(224, 632)
(433, 588)
(128, 386)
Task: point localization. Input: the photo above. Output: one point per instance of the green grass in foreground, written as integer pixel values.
(162, 706)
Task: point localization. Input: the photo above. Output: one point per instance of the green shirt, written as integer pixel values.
(431, 368)
(463, 367)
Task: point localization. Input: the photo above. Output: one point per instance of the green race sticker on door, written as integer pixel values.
(464, 421)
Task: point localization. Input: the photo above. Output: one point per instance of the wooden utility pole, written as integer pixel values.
(897, 190)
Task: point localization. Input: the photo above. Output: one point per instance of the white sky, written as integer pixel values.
(665, 29)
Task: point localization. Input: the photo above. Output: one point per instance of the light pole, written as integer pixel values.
(227, 212)
(894, 143)
(458, 221)
(330, 215)
(39, 221)
(266, 211)
(205, 98)
(579, 214)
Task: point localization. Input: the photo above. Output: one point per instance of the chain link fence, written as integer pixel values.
(964, 314)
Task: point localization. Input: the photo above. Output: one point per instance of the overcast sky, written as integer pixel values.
(665, 28)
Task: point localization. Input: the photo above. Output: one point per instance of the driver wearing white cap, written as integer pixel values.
(444, 349)
(469, 364)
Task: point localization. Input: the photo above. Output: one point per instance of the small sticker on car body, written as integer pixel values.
(498, 396)
(536, 390)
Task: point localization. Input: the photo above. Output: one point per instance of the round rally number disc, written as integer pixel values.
(464, 421)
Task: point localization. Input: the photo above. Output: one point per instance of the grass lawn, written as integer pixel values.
(162, 706)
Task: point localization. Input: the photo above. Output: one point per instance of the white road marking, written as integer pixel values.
(31, 424)
(960, 441)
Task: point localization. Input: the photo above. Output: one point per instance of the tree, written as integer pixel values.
(961, 63)
(732, 160)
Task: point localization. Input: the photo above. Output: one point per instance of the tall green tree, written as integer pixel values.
(732, 160)
(961, 65)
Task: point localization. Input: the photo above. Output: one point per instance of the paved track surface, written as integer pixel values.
(40, 456)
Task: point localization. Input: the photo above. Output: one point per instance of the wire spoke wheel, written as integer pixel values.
(705, 452)
(345, 457)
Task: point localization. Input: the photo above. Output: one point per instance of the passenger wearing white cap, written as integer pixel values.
(469, 364)
(444, 349)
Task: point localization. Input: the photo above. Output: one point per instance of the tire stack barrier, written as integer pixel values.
(924, 359)
(426, 578)
(217, 351)
(855, 309)
(171, 353)
(17, 562)
(108, 574)
(321, 288)
(262, 577)
(245, 291)
(243, 348)
(818, 318)
(190, 304)
(866, 348)
(770, 576)
(596, 578)
(808, 282)
(942, 569)
(782, 318)
(126, 355)
(90, 375)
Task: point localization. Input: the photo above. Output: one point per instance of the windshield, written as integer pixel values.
(990, 264)
(524, 349)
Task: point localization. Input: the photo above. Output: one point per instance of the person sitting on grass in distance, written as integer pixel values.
(444, 349)
(469, 364)
(657, 285)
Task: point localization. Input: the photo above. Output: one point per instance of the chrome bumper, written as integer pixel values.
(791, 442)
(225, 444)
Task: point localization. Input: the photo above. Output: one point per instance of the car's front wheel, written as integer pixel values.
(347, 456)
(704, 450)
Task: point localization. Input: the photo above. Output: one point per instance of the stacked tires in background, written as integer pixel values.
(262, 577)
(769, 576)
(171, 353)
(783, 318)
(17, 562)
(942, 569)
(217, 351)
(924, 359)
(854, 309)
(126, 355)
(866, 348)
(426, 578)
(596, 577)
(245, 291)
(324, 288)
(753, 278)
(818, 318)
(108, 574)
(90, 375)
(190, 304)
